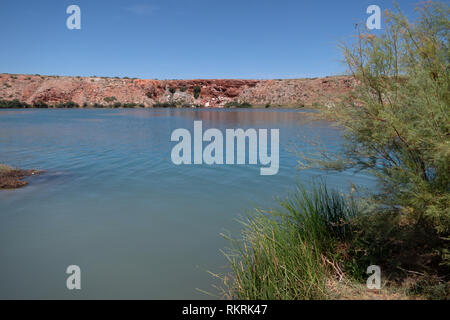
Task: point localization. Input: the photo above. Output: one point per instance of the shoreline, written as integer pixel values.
(12, 178)
(17, 104)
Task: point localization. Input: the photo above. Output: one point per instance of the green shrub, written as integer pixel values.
(281, 252)
(13, 104)
(397, 128)
(197, 91)
(109, 99)
(68, 105)
(236, 104)
(164, 105)
(40, 105)
(397, 119)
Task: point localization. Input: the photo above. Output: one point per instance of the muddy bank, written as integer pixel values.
(13, 178)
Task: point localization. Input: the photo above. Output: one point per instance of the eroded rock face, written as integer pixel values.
(53, 90)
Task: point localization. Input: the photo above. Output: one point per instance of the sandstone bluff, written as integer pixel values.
(88, 91)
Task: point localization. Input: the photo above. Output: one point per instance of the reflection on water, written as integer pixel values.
(112, 202)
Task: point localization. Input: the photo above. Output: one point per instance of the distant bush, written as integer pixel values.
(197, 91)
(236, 104)
(172, 90)
(40, 105)
(149, 94)
(110, 99)
(67, 105)
(129, 105)
(183, 89)
(13, 104)
(164, 105)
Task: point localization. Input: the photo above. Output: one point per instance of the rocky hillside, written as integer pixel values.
(87, 91)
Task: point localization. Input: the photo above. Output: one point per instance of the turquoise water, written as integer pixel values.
(112, 202)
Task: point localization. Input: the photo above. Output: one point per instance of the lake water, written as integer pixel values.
(112, 202)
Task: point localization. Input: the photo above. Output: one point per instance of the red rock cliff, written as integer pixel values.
(53, 90)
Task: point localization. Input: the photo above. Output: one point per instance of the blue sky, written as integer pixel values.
(176, 39)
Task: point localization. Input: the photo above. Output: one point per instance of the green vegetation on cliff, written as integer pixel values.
(396, 124)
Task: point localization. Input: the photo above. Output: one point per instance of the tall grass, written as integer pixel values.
(281, 253)
(5, 168)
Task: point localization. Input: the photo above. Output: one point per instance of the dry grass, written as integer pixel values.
(5, 168)
(347, 289)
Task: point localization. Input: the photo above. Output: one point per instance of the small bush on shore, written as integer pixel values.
(164, 105)
(197, 91)
(109, 99)
(129, 105)
(67, 105)
(13, 104)
(236, 104)
(40, 105)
